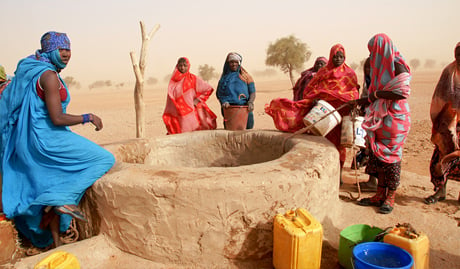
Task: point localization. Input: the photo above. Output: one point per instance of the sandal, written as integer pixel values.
(74, 212)
(368, 202)
(432, 199)
(385, 209)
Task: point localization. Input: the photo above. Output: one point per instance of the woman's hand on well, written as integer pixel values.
(96, 121)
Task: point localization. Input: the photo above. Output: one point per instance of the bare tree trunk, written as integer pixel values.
(291, 77)
(139, 69)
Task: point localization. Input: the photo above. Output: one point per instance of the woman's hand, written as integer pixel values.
(196, 101)
(96, 121)
(250, 106)
(358, 102)
(225, 105)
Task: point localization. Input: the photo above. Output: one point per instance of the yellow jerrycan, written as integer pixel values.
(297, 240)
(59, 260)
(416, 243)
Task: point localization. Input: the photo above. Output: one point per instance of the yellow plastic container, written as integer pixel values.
(417, 245)
(59, 260)
(297, 240)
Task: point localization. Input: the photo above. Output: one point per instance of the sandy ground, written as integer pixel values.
(440, 221)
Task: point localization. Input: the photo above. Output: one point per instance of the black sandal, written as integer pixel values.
(368, 202)
(385, 209)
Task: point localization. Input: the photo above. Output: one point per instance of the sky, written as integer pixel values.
(104, 32)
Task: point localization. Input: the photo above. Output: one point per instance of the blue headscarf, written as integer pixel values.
(233, 88)
(51, 42)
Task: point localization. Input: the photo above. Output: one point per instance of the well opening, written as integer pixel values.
(224, 149)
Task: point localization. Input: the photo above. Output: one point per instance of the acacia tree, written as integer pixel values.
(71, 82)
(206, 72)
(289, 54)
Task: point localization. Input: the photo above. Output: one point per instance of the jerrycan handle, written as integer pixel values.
(292, 216)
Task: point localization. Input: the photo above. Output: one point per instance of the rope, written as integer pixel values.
(353, 114)
(71, 235)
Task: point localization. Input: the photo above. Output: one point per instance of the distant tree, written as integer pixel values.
(119, 85)
(414, 63)
(354, 65)
(429, 63)
(289, 54)
(152, 81)
(100, 83)
(206, 72)
(72, 83)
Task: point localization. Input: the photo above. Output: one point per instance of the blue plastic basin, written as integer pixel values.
(378, 255)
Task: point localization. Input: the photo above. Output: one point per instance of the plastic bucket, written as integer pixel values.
(236, 117)
(352, 133)
(379, 255)
(322, 126)
(350, 237)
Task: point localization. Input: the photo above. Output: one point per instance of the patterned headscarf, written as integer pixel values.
(383, 56)
(51, 42)
(322, 59)
(190, 79)
(340, 82)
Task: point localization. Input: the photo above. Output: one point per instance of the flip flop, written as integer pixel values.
(69, 211)
(433, 200)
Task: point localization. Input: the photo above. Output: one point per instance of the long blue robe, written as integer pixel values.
(41, 164)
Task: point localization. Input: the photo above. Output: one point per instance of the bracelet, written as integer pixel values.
(86, 118)
(375, 95)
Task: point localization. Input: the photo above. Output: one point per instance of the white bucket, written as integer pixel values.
(324, 126)
(350, 128)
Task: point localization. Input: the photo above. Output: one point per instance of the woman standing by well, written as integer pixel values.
(387, 120)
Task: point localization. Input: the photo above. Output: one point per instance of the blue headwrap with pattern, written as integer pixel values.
(51, 42)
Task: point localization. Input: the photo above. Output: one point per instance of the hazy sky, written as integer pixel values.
(103, 32)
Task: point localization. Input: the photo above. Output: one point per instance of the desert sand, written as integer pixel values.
(439, 221)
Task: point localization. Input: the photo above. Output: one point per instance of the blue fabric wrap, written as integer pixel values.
(231, 87)
(42, 164)
(55, 58)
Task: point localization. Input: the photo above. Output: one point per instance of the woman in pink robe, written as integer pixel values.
(186, 108)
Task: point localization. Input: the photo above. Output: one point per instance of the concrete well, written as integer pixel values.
(208, 198)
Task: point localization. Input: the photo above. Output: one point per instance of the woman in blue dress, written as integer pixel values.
(46, 168)
(236, 87)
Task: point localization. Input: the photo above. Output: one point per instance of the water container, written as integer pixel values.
(352, 133)
(59, 260)
(297, 240)
(350, 237)
(379, 255)
(236, 117)
(417, 245)
(322, 126)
